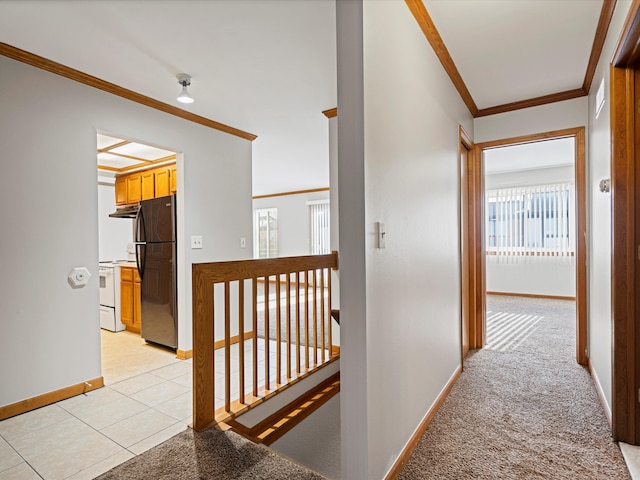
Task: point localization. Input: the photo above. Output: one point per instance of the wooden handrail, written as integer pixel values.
(296, 355)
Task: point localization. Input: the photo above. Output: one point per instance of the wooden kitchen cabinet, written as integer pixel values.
(130, 299)
(148, 184)
(137, 314)
(162, 182)
(173, 180)
(152, 183)
(121, 191)
(134, 188)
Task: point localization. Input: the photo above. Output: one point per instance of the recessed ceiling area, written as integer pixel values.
(118, 155)
(508, 51)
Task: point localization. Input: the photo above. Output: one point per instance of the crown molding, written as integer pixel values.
(332, 112)
(431, 33)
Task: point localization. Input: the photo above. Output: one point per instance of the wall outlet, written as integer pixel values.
(196, 241)
(243, 242)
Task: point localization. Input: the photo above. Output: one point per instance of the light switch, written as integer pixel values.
(196, 241)
(381, 231)
(243, 242)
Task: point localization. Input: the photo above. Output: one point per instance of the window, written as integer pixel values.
(319, 239)
(530, 221)
(266, 233)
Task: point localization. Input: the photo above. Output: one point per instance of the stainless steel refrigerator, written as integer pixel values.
(155, 240)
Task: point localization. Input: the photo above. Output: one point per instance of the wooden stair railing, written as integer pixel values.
(226, 297)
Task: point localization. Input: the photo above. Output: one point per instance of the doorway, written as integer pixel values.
(128, 172)
(478, 240)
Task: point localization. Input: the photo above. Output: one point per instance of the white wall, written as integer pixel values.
(50, 332)
(113, 233)
(542, 276)
(403, 334)
(545, 118)
(599, 220)
(293, 220)
(315, 442)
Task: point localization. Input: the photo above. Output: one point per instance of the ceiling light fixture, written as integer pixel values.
(185, 81)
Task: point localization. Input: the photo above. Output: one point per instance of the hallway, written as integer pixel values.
(523, 407)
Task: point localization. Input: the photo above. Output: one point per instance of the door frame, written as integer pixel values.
(578, 134)
(472, 278)
(625, 234)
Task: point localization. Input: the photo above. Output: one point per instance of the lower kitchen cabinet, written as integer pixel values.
(130, 298)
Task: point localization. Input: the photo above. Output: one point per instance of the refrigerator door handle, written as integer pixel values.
(140, 243)
(140, 257)
(140, 232)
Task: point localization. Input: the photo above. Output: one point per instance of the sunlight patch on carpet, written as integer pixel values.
(508, 331)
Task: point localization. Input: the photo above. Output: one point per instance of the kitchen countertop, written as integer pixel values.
(128, 264)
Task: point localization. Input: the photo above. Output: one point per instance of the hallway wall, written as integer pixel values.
(398, 146)
(599, 238)
(545, 118)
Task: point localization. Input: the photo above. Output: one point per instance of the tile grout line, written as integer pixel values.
(24, 460)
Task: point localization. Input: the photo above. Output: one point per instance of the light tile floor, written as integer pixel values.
(146, 400)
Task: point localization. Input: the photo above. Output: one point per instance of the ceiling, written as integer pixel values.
(268, 67)
(512, 50)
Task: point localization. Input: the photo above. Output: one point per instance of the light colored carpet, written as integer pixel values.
(209, 455)
(523, 408)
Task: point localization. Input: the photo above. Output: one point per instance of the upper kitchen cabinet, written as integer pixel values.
(121, 191)
(134, 188)
(152, 183)
(173, 179)
(148, 184)
(162, 182)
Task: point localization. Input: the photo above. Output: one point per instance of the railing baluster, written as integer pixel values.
(306, 319)
(255, 336)
(298, 323)
(329, 307)
(267, 378)
(241, 336)
(278, 334)
(322, 319)
(227, 347)
(315, 319)
(288, 327)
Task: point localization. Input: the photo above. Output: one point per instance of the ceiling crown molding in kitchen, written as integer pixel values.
(431, 33)
(95, 82)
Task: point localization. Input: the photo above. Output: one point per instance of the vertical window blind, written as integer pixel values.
(319, 228)
(530, 223)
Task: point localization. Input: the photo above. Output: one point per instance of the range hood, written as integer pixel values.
(129, 211)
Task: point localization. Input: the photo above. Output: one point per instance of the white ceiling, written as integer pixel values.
(269, 66)
(511, 50)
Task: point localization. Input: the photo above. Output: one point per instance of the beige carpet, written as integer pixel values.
(209, 455)
(523, 408)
